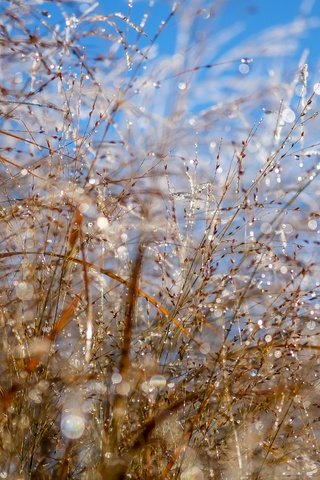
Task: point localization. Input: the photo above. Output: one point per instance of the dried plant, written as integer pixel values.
(159, 245)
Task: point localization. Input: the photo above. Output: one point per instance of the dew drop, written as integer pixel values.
(72, 426)
(24, 291)
(84, 207)
(182, 86)
(244, 68)
(288, 115)
(311, 325)
(35, 396)
(102, 223)
(122, 252)
(145, 387)
(205, 348)
(312, 224)
(288, 228)
(123, 388)
(116, 378)
(258, 425)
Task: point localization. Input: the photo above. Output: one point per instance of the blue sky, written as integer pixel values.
(254, 15)
(258, 15)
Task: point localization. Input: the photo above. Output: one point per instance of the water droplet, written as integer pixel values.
(123, 388)
(288, 115)
(205, 348)
(268, 338)
(102, 223)
(35, 396)
(258, 425)
(122, 252)
(182, 86)
(84, 207)
(24, 291)
(287, 228)
(244, 68)
(311, 325)
(312, 224)
(72, 426)
(116, 378)
(145, 387)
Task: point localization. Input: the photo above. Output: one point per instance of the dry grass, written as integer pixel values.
(159, 288)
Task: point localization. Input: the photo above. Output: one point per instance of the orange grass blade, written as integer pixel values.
(7, 397)
(131, 305)
(64, 318)
(75, 230)
(114, 276)
(32, 364)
